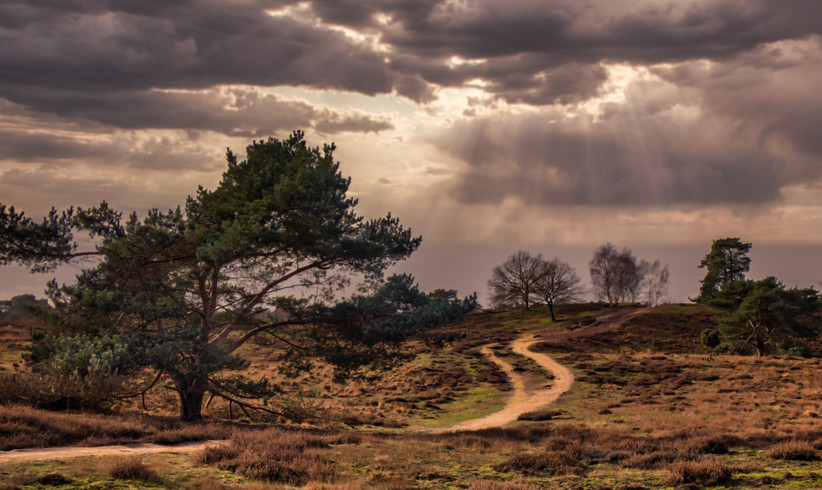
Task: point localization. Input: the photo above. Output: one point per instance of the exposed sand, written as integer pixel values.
(521, 401)
(39, 454)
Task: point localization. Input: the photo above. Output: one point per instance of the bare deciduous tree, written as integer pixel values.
(655, 282)
(513, 282)
(557, 284)
(615, 274)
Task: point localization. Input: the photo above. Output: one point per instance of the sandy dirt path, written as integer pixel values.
(521, 402)
(40, 454)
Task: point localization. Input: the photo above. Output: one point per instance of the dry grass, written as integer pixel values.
(275, 455)
(135, 470)
(704, 472)
(794, 450)
(22, 427)
(541, 415)
(495, 485)
(633, 420)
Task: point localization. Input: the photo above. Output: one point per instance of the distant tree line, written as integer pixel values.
(616, 276)
(22, 307)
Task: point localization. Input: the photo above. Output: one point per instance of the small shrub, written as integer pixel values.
(190, 433)
(540, 415)
(710, 445)
(652, 460)
(22, 426)
(275, 455)
(217, 454)
(794, 450)
(546, 463)
(54, 480)
(60, 393)
(134, 469)
(497, 485)
(707, 471)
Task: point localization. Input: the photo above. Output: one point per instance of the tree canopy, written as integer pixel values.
(726, 262)
(22, 307)
(180, 291)
(558, 283)
(616, 275)
(513, 283)
(524, 279)
(765, 315)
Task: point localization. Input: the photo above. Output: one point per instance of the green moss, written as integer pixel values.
(479, 401)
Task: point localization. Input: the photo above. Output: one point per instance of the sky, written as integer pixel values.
(551, 126)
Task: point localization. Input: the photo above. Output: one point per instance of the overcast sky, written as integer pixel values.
(485, 126)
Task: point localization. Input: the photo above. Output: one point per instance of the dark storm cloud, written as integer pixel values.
(617, 30)
(102, 61)
(198, 45)
(773, 97)
(523, 43)
(235, 111)
(105, 47)
(132, 65)
(55, 151)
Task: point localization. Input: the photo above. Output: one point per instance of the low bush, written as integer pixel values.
(794, 450)
(706, 471)
(22, 427)
(54, 480)
(710, 445)
(545, 463)
(652, 460)
(188, 433)
(496, 485)
(59, 393)
(275, 455)
(135, 470)
(540, 415)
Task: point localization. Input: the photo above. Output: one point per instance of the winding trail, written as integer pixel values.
(521, 402)
(41, 454)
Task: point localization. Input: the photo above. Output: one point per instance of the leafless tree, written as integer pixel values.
(558, 283)
(655, 282)
(513, 282)
(615, 274)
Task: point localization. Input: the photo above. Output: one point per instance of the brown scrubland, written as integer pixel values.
(649, 409)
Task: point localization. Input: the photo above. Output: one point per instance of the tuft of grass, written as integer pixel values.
(545, 463)
(135, 470)
(706, 471)
(794, 450)
(54, 480)
(23, 427)
(711, 444)
(188, 433)
(496, 485)
(540, 415)
(275, 455)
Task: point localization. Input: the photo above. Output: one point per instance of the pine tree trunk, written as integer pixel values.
(192, 392)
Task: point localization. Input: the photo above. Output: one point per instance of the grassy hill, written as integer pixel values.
(649, 409)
